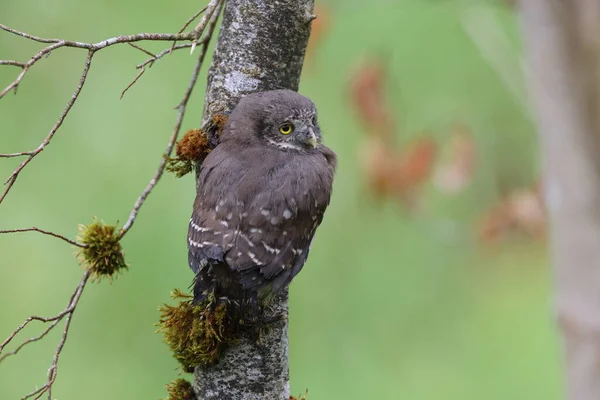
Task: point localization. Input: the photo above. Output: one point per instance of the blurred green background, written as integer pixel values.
(390, 305)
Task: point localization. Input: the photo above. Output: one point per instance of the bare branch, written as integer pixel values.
(27, 35)
(138, 76)
(157, 57)
(162, 54)
(14, 333)
(187, 23)
(20, 154)
(45, 232)
(68, 312)
(13, 63)
(13, 177)
(142, 49)
(108, 42)
(182, 108)
(212, 6)
(14, 84)
(56, 318)
(30, 340)
(192, 18)
(92, 48)
(210, 9)
(195, 36)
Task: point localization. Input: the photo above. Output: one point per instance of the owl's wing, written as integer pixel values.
(258, 221)
(207, 241)
(274, 247)
(261, 245)
(278, 226)
(210, 232)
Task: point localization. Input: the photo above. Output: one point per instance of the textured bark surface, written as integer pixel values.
(261, 47)
(563, 45)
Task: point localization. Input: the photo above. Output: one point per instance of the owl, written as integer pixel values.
(261, 194)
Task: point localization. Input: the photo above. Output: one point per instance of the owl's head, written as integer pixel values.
(280, 118)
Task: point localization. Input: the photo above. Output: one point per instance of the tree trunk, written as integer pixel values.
(563, 42)
(261, 47)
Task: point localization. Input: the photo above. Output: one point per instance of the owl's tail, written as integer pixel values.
(216, 278)
(204, 285)
(218, 281)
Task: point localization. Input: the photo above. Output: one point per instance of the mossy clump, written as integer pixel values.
(103, 255)
(192, 148)
(217, 123)
(195, 145)
(180, 389)
(300, 397)
(196, 333)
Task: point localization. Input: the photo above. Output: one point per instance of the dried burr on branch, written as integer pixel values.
(108, 260)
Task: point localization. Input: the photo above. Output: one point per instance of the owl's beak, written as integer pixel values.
(308, 137)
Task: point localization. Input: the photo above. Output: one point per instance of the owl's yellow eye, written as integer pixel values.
(286, 128)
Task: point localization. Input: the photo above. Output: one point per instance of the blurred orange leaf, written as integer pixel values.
(398, 173)
(520, 211)
(391, 171)
(456, 172)
(368, 97)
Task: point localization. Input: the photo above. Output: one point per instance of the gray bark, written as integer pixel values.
(563, 42)
(260, 47)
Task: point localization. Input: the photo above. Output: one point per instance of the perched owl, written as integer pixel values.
(261, 194)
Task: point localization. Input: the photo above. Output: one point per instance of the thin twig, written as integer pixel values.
(19, 328)
(56, 43)
(20, 154)
(68, 312)
(192, 18)
(27, 35)
(151, 62)
(45, 232)
(181, 107)
(210, 9)
(187, 23)
(92, 48)
(167, 51)
(195, 37)
(199, 29)
(57, 317)
(13, 177)
(162, 54)
(14, 84)
(138, 76)
(13, 63)
(142, 49)
(30, 340)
